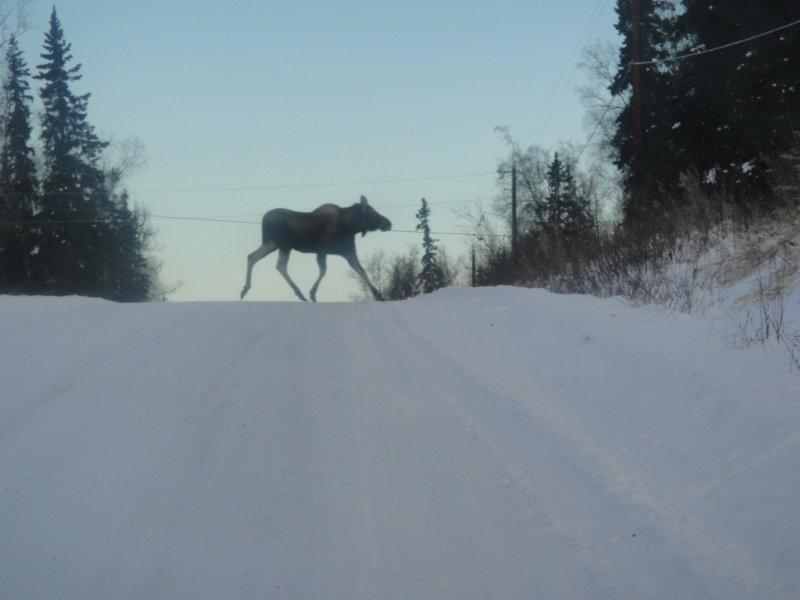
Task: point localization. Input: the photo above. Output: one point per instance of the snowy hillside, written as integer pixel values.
(479, 443)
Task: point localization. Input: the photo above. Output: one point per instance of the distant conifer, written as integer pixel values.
(17, 177)
(430, 276)
(75, 235)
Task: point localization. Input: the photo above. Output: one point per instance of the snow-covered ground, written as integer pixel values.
(491, 443)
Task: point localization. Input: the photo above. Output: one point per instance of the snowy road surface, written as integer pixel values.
(482, 444)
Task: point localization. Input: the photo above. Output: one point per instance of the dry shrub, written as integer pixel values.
(686, 257)
(682, 257)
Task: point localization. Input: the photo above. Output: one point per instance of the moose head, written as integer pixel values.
(368, 219)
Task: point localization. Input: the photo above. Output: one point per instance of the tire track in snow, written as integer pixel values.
(210, 401)
(687, 539)
(416, 393)
(572, 501)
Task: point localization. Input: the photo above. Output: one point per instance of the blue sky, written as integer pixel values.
(253, 93)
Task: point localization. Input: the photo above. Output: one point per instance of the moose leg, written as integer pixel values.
(352, 260)
(322, 262)
(283, 259)
(252, 259)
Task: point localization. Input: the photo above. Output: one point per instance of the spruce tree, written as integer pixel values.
(743, 101)
(565, 210)
(76, 237)
(430, 276)
(130, 276)
(720, 112)
(550, 214)
(576, 209)
(649, 168)
(17, 177)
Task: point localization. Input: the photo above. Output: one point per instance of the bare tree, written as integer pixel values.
(602, 109)
(375, 266)
(487, 240)
(531, 164)
(159, 290)
(13, 19)
(13, 23)
(452, 269)
(396, 275)
(120, 159)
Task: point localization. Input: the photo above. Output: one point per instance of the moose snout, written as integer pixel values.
(386, 225)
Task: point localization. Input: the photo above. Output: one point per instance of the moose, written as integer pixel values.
(329, 229)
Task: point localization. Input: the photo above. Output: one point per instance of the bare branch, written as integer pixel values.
(13, 19)
(120, 159)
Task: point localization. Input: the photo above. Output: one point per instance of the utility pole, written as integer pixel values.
(514, 252)
(636, 42)
(514, 232)
(474, 278)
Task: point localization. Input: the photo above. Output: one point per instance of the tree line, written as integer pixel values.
(719, 115)
(692, 136)
(66, 222)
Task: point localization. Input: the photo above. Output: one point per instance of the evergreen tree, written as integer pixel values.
(565, 210)
(716, 114)
(430, 276)
(576, 212)
(741, 103)
(132, 276)
(649, 169)
(550, 214)
(17, 177)
(75, 203)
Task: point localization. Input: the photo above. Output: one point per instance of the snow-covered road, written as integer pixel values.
(472, 444)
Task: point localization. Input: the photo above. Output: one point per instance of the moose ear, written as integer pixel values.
(363, 201)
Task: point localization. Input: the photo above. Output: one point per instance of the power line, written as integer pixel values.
(379, 207)
(389, 206)
(206, 219)
(226, 218)
(464, 233)
(274, 187)
(683, 57)
(222, 218)
(564, 70)
(216, 220)
(313, 185)
(581, 41)
(437, 202)
(62, 222)
(717, 48)
(108, 221)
